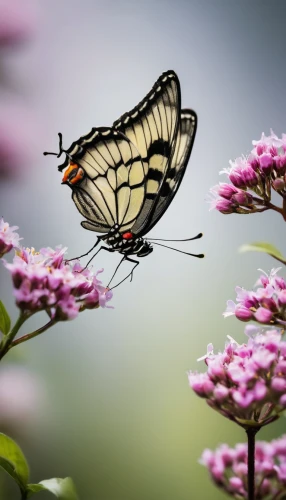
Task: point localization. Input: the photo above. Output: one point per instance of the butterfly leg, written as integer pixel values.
(101, 248)
(130, 274)
(136, 264)
(84, 254)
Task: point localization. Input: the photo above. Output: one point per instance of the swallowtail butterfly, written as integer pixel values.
(123, 178)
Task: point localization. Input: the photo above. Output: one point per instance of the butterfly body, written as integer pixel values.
(127, 243)
(123, 178)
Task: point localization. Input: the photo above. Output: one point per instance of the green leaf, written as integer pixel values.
(13, 461)
(5, 321)
(33, 488)
(63, 489)
(262, 246)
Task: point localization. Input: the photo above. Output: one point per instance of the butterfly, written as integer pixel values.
(123, 178)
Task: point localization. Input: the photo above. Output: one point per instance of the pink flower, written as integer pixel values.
(252, 177)
(17, 21)
(43, 281)
(8, 238)
(245, 383)
(20, 394)
(266, 304)
(231, 475)
(18, 129)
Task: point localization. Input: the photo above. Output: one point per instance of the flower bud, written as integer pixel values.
(266, 163)
(263, 315)
(278, 184)
(236, 177)
(280, 164)
(249, 176)
(243, 313)
(243, 198)
(224, 206)
(226, 190)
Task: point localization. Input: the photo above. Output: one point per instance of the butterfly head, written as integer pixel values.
(73, 174)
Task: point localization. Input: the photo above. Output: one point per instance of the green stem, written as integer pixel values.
(33, 334)
(8, 339)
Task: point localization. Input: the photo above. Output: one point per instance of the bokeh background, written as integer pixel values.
(115, 411)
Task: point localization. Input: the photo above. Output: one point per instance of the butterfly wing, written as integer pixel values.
(113, 188)
(152, 126)
(133, 170)
(177, 168)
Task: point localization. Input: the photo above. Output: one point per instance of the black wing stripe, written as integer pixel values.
(92, 166)
(177, 168)
(100, 169)
(91, 226)
(104, 159)
(112, 216)
(86, 207)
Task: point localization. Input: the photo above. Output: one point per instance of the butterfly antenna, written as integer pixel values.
(61, 150)
(199, 255)
(187, 239)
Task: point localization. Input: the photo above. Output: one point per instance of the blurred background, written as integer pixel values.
(110, 403)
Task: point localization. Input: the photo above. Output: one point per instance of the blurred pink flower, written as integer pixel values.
(17, 21)
(21, 394)
(228, 468)
(17, 136)
(246, 383)
(8, 238)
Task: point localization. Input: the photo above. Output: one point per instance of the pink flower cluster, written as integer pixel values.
(228, 469)
(17, 21)
(19, 131)
(43, 281)
(246, 383)
(267, 304)
(252, 178)
(8, 238)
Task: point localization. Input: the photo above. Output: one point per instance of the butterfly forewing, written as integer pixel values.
(113, 189)
(152, 127)
(177, 167)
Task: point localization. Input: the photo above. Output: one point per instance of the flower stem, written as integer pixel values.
(29, 336)
(276, 209)
(251, 432)
(8, 339)
(284, 208)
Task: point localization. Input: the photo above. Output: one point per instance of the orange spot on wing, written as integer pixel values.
(73, 174)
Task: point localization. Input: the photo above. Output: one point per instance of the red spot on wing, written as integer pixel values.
(127, 236)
